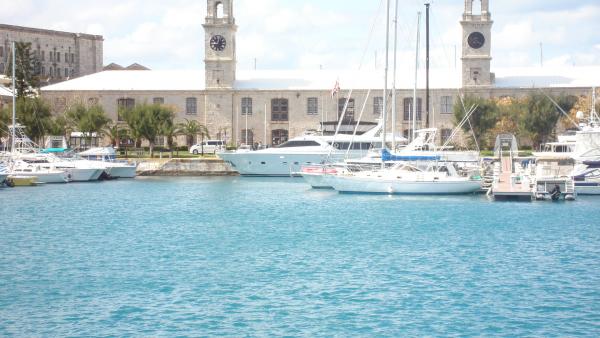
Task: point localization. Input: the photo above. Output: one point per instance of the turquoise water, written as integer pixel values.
(270, 257)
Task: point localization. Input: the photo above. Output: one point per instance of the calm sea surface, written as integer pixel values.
(270, 257)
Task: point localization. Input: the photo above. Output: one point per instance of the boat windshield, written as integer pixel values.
(294, 144)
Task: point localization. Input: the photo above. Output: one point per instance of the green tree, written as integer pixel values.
(170, 131)
(148, 121)
(88, 120)
(483, 119)
(26, 71)
(34, 114)
(60, 126)
(541, 116)
(5, 120)
(191, 129)
(113, 132)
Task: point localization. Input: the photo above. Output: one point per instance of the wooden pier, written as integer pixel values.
(509, 185)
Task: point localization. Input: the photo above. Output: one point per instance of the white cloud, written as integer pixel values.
(306, 34)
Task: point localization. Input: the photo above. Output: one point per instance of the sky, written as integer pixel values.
(317, 34)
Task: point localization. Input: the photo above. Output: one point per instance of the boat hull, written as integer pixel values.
(587, 188)
(352, 184)
(272, 164)
(121, 171)
(22, 181)
(83, 175)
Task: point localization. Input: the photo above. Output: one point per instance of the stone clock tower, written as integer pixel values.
(476, 47)
(219, 45)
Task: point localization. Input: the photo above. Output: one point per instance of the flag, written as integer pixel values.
(336, 88)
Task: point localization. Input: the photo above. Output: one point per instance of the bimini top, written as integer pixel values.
(319, 80)
(5, 91)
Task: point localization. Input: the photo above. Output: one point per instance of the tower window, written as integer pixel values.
(158, 100)
(246, 106)
(219, 10)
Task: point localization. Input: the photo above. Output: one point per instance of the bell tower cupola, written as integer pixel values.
(219, 45)
(477, 44)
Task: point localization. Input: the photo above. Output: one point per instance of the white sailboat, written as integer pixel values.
(403, 178)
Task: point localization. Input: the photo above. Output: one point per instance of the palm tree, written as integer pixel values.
(147, 121)
(88, 120)
(191, 129)
(113, 132)
(170, 131)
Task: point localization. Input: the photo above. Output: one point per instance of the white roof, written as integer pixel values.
(5, 91)
(159, 80)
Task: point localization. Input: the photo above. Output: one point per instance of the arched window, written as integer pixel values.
(278, 136)
(219, 9)
(476, 7)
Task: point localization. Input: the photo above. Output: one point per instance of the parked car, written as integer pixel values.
(209, 147)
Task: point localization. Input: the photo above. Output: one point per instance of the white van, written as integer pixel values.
(210, 147)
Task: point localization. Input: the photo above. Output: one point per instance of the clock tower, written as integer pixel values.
(219, 45)
(476, 46)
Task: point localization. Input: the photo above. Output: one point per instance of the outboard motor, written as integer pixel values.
(555, 193)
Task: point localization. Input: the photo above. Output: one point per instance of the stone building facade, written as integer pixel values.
(61, 55)
(248, 107)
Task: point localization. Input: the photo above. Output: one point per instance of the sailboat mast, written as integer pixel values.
(387, 48)
(14, 98)
(427, 65)
(394, 112)
(414, 103)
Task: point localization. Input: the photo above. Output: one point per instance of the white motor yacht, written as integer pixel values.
(77, 170)
(107, 157)
(44, 175)
(306, 150)
(3, 173)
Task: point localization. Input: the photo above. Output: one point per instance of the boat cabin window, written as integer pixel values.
(353, 146)
(293, 144)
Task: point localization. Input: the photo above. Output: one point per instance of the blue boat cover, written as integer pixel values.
(387, 156)
(54, 150)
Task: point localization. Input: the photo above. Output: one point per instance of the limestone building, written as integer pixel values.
(271, 106)
(59, 55)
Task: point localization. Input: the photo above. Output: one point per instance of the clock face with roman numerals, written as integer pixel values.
(218, 43)
(476, 40)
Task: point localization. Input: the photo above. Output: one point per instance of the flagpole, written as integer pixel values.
(266, 142)
(14, 98)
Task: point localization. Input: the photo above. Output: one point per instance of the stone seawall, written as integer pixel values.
(184, 167)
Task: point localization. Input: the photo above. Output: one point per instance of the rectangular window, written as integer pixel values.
(58, 57)
(72, 58)
(246, 106)
(279, 110)
(312, 106)
(349, 116)
(377, 105)
(446, 105)
(158, 100)
(191, 106)
(247, 136)
(124, 105)
(43, 56)
(66, 72)
(408, 108)
(1, 52)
